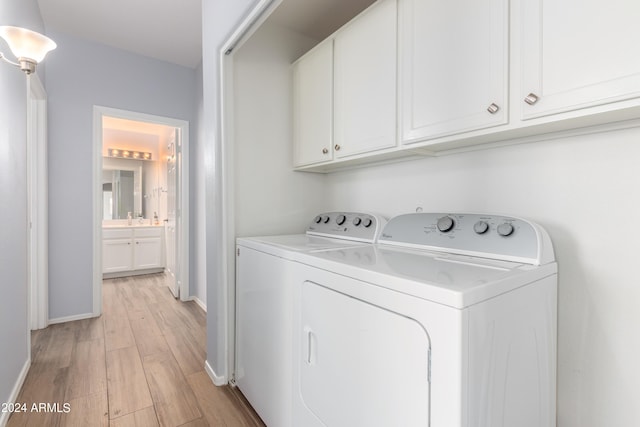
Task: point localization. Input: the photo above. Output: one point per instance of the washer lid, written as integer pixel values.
(294, 243)
(450, 279)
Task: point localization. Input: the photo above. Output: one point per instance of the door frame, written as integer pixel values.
(225, 188)
(37, 190)
(182, 222)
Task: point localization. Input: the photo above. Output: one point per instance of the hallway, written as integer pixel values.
(140, 364)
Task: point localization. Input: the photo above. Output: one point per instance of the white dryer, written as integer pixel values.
(449, 321)
(264, 289)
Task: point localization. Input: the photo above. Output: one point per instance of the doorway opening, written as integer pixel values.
(141, 176)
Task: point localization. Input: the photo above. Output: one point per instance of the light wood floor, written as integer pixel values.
(140, 364)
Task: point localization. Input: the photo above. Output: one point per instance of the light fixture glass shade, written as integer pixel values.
(27, 44)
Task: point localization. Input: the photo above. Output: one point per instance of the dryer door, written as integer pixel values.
(359, 364)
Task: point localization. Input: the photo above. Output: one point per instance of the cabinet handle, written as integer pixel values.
(531, 99)
(493, 108)
(325, 151)
(137, 243)
(337, 147)
(128, 243)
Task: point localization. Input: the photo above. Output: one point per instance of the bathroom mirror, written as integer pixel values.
(121, 188)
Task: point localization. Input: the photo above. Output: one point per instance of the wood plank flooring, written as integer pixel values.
(140, 364)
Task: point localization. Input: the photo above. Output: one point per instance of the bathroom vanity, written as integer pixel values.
(132, 249)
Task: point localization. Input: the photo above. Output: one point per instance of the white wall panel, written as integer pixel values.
(270, 197)
(584, 191)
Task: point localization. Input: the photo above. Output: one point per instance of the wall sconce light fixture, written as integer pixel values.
(129, 154)
(28, 46)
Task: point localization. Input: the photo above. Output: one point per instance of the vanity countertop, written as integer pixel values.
(134, 225)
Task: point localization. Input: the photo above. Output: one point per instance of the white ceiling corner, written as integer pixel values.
(168, 30)
(171, 30)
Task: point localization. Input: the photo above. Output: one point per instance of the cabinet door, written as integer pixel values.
(578, 54)
(360, 364)
(365, 82)
(147, 253)
(117, 255)
(453, 66)
(312, 106)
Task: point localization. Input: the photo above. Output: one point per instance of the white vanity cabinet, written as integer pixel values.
(117, 250)
(577, 54)
(453, 66)
(147, 249)
(313, 106)
(132, 250)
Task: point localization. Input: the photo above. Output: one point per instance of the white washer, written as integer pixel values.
(450, 321)
(263, 365)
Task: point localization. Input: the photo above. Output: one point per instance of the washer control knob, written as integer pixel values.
(357, 221)
(480, 227)
(325, 219)
(341, 219)
(367, 222)
(505, 229)
(317, 219)
(445, 224)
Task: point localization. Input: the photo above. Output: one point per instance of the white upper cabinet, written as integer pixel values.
(573, 65)
(364, 108)
(453, 66)
(313, 106)
(578, 54)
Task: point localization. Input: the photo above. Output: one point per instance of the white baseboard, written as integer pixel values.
(71, 318)
(217, 380)
(13, 397)
(199, 302)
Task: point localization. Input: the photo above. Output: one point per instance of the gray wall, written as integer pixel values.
(219, 18)
(80, 75)
(13, 194)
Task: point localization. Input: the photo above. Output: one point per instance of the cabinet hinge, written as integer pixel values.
(238, 252)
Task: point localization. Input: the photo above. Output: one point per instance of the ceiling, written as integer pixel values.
(171, 30)
(317, 18)
(133, 126)
(140, 134)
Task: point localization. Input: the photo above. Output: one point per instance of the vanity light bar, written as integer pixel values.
(129, 154)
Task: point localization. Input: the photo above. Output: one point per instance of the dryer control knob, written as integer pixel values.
(326, 219)
(505, 229)
(480, 227)
(445, 224)
(357, 221)
(341, 219)
(368, 222)
(317, 219)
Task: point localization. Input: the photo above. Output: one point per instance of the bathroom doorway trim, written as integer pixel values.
(182, 220)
